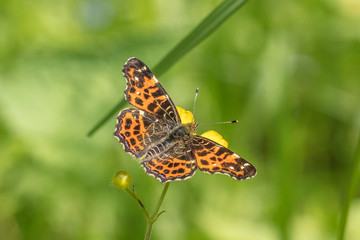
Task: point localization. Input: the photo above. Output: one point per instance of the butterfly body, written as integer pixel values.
(152, 131)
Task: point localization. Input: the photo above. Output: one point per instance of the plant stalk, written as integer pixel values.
(150, 221)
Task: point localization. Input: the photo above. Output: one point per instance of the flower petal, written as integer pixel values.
(216, 137)
(185, 116)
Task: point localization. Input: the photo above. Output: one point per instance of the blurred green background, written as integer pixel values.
(287, 70)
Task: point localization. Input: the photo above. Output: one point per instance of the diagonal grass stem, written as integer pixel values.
(206, 27)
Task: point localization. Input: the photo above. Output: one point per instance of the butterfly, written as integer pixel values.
(168, 149)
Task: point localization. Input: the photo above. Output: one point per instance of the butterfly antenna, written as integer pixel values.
(233, 121)
(196, 93)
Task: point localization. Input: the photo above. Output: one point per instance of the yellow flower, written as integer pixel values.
(216, 137)
(187, 117)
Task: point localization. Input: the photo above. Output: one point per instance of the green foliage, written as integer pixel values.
(287, 70)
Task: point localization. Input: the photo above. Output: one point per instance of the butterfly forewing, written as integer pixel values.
(145, 92)
(212, 157)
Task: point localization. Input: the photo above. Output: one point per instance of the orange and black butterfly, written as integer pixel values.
(152, 131)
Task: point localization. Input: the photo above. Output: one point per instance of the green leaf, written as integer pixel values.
(207, 26)
(199, 34)
(352, 189)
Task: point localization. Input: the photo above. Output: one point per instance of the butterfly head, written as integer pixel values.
(193, 127)
(188, 123)
(187, 120)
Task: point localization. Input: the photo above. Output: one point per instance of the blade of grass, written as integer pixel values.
(207, 26)
(115, 109)
(199, 33)
(353, 187)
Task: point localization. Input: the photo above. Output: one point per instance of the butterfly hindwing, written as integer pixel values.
(176, 163)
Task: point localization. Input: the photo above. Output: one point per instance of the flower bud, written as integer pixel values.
(122, 180)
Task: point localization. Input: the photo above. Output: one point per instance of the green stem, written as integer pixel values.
(108, 115)
(204, 29)
(155, 215)
(150, 220)
(148, 230)
(136, 197)
(353, 187)
(156, 210)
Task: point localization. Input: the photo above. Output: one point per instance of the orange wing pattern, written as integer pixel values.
(153, 133)
(145, 92)
(136, 130)
(214, 158)
(170, 165)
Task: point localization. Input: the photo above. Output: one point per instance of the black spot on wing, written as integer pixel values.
(151, 107)
(160, 112)
(132, 141)
(132, 90)
(204, 162)
(157, 93)
(139, 101)
(220, 151)
(202, 153)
